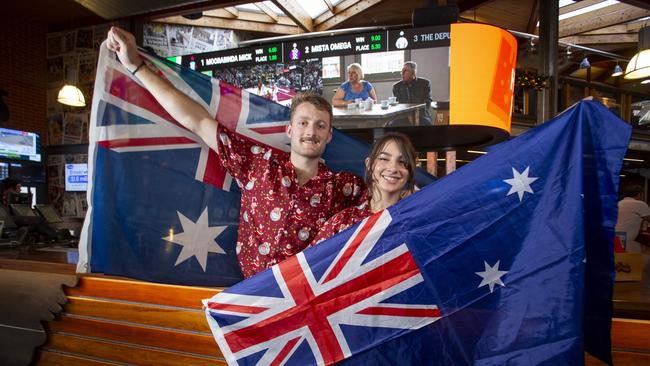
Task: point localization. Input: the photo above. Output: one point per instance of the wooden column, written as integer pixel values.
(450, 162)
(432, 163)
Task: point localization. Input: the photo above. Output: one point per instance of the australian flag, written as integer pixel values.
(507, 261)
(161, 207)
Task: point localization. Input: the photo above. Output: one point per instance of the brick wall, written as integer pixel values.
(23, 73)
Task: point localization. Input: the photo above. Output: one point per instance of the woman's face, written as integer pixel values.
(389, 171)
(353, 77)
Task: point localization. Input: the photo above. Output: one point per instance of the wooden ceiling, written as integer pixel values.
(613, 28)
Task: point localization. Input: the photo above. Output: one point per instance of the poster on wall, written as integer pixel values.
(55, 70)
(73, 126)
(54, 45)
(155, 36)
(84, 40)
(55, 129)
(87, 64)
(178, 40)
(180, 37)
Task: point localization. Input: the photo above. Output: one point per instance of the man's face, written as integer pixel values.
(310, 131)
(408, 75)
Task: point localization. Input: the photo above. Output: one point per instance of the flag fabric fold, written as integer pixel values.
(161, 207)
(508, 260)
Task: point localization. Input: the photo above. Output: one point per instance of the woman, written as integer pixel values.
(354, 88)
(390, 176)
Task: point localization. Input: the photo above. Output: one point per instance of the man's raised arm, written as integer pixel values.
(182, 108)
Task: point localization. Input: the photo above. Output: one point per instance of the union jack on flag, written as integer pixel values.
(161, 207)
(317, 310)
(507, 261)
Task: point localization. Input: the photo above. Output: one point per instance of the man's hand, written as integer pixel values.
(123, 43)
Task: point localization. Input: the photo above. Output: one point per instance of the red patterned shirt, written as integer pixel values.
(342, 221)
(279, 218)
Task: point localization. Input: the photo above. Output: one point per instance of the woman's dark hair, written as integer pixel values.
(408, 153)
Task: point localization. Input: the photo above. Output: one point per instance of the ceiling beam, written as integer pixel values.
(631, 27)
(337, 9)
(471, 4)
(190, 8)
(578, 5)
(638, 3)
(268, 11)
(237, 24)
(346, 14)
(232, 10)
(601, 18)
(602, 38)
(250, 16)
(294, 11)
(329, 5)
(533, 19)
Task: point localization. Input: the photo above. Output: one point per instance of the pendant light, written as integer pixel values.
(70, 93)
(639, 65)
(72, 96)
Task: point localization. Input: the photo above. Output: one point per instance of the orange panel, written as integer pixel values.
(482, 75)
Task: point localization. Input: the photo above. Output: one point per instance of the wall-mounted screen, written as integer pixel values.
(76, 177)
(29, 173)
(20, 145)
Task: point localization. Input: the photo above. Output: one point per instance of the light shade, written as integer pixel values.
(617, 71)
(584, 64)
(639, 66)
(72, 96)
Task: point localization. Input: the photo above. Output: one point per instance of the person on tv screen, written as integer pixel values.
(10, 185)
(412, 89)
(390, 176)
(285, 196)
(354, 88)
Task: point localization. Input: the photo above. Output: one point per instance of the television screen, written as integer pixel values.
(28, 172)
(76, 177)
(20, 145)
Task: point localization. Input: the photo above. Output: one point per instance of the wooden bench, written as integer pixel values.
(109, 321)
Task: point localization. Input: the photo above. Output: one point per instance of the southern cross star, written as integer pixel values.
(491, 276)
(520, 183)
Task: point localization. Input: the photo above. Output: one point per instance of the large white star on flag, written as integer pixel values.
(491, 276)
(197, 239)
(520, 183)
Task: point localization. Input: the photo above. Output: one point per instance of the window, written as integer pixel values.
(331, 67)
(382, 62)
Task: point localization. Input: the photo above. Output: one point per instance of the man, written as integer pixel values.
(631, 212)
(10, 185)
(285, 197)
(412, 89)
